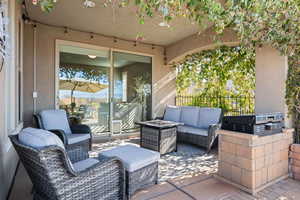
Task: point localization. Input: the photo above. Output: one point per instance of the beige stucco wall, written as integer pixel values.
(271, 73)
(163, 76)
(199, 42)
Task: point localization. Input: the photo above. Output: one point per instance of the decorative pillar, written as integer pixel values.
(271, 73)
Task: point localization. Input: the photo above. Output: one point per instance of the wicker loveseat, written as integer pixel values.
(54, 177)
(76, 138)
(200, 124)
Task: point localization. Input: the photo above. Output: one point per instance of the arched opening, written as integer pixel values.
(221, 77)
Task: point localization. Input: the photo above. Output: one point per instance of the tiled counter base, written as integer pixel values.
(251, 162)
(295, 161)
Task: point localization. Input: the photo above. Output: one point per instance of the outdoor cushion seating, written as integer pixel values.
(54, 177)
(172, 113)
(84, 164)
(200, 124)
(193, 130)
(141, 166)
(38, 138)
(75, 137)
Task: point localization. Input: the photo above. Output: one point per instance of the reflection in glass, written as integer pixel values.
(132, 89)
(84, 88)
(84, 85)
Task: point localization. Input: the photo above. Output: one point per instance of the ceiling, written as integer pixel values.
(118, 22)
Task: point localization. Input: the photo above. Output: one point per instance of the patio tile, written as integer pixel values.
(22, 187)
(183, 182)
(154, 191)
(176, 195)
(210, 189)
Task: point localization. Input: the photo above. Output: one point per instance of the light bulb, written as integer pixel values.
(92, 56)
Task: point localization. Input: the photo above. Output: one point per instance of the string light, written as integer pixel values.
(165, 56)
(92, 36)
(66, 30)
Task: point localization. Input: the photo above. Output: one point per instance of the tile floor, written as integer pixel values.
(201, 187)
(208, 188)
(195, 181)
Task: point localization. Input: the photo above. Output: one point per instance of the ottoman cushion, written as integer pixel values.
(133, 157)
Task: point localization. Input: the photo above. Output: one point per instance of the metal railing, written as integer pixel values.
(231, 105)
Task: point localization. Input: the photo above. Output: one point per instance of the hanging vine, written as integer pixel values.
(224, 71)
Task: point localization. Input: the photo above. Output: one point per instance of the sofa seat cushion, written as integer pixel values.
(133, 157)
(172, 113)
(190, 115)
(55, 119)
(84, 164)
(209, 116)
(39, 138)
(75, 138)
(193, 130)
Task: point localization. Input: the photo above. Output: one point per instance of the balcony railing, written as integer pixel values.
(231, 105)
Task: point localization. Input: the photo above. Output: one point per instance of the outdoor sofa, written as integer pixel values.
(200, 124)
(55, 177)
(76, 138)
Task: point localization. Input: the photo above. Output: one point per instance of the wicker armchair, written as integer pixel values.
(76, 138)
(55, 178)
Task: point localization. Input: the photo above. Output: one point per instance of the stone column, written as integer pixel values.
(271, 73)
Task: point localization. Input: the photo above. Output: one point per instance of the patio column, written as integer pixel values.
(271, 73)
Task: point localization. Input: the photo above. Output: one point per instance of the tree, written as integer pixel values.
(218, 73)
(74, 73)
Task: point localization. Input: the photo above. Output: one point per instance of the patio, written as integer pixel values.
(187, 175)
(110, 66)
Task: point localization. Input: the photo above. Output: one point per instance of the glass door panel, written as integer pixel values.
(84, 76)
(132, 91)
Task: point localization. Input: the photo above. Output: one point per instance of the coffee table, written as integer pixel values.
(159, 135)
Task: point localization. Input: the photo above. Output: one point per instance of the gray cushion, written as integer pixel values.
(172, 113)
(193, 130)
(209, 116)
(75, 138)
(133, 157)
(84, 164)
(55, 119)
(38, 138)
(190, 115)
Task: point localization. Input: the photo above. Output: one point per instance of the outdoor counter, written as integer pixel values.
(253, 162)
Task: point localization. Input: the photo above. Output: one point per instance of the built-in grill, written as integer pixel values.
(260, 124)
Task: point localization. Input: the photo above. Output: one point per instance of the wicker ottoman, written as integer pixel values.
(141, 166)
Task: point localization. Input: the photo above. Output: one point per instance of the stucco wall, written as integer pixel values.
(271, 73)
(8, 156)
(199, 42)
(163, 76)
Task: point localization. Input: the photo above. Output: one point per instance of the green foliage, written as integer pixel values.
(46, 5)
(225, 71)
(215, 74)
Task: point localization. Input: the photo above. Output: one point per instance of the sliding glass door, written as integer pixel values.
(131, 92)
(109, 91)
